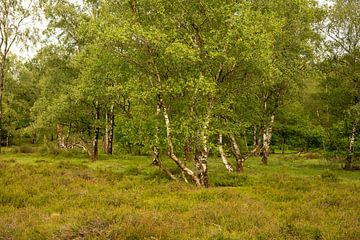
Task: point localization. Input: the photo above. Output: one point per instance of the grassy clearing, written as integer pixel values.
(44, 197)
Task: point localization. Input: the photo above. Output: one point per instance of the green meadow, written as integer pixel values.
(124, 197)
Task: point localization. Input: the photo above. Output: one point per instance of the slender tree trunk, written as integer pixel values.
(236, 150)
(156, 150)
(266, 140)
(94, 155)
(223, 156)
(245, 140)
(201, 158)
(349, 158)
(7, 140)
(110, 137)
(255, 139)
(105, 138)
(60, 137)
(170, 144)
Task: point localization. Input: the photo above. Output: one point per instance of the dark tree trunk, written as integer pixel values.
(94, 154)
(245, 140)
(110, 137)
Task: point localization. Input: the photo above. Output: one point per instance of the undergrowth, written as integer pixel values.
(126, 198)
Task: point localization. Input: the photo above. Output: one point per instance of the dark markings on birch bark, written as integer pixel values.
(170, 144)
(350, 157)
(266, 140)
(224, 159)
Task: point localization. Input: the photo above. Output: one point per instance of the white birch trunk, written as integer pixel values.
(349, 158)
(171, 151)
(60, 137)
(267, 134)
(223, 156)
(239, 159)
(202, 155)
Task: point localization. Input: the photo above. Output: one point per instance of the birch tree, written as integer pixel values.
(14, 28)
(293, 55)
(342, 48)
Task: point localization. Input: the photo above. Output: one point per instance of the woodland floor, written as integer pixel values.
(67, 197)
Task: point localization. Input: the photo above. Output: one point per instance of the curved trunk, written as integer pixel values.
(223, 156)
(170, 144)
(236, 150)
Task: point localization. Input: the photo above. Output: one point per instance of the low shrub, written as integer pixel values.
(229, 180)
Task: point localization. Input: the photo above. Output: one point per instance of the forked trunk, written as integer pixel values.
(349, 158)
(267, 134)
(156, 151)
(223, 156)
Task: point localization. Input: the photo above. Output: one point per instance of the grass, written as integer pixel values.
(53, 197)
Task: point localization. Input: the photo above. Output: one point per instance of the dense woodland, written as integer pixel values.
(184, 81)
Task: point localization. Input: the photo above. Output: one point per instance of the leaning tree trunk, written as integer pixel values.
(156, 151)
(223, 155)
(349, 158)
(266, 135)
(94, 154)
(239, 159)
(170, 144)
